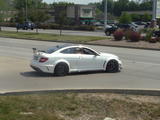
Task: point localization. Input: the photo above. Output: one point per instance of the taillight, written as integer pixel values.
(43, 59)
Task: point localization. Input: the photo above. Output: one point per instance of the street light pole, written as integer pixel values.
(154, 9)
(105, 14)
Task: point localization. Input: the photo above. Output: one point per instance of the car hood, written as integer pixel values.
(108, 55)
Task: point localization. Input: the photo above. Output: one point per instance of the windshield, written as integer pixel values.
(55, 48)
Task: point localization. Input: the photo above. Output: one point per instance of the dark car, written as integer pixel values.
(26, 25)
(124, 26)
(140, 23)
(156, 33)
(110, 29)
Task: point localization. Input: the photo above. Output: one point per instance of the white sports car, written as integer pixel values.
(65, 59)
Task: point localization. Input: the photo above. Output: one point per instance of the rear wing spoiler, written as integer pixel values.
(34, 50)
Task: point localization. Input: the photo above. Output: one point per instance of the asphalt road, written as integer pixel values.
(64, 32)
(141, 70)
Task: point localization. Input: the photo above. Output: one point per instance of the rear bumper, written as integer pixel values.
(42, 67)
(36, 68)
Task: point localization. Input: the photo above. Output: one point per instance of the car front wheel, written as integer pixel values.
(61, 69)
(112, 66)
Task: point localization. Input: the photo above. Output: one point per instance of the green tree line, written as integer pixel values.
(117, 7)
(34, 11)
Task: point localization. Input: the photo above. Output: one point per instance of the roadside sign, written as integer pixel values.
(158, 9)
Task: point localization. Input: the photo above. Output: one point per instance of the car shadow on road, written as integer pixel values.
(39, 74)
(35, 74)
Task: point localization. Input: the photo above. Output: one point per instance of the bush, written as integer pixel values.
(134, 36)
(153, 40)
(8, 24)
(84, 27)
(158, 39)
(67, 27)
(118, 34)
(125, 18)
(127, 34)
(149, 35)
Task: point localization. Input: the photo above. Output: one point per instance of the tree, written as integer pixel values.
(146, 5)
(146, 17)
(116, 7)
(125, 18)
(136, 17)
(62, 3)
(38, 16)
(35, 11)
(62, 19)
(3, 8)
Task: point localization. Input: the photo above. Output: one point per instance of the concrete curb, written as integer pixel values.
(115, 91)
(130, 47)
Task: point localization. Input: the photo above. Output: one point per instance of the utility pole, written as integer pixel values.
(154, 9)
(26, 11)
(105, 14)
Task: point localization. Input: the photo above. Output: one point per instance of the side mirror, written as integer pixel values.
(97, 54)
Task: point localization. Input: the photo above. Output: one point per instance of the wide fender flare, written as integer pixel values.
(62, 61)
(107, 60)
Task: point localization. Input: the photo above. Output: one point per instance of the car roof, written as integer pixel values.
(72, 45)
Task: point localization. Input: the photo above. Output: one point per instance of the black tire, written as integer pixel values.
(112, 66)
(61, 69)
(107, 33)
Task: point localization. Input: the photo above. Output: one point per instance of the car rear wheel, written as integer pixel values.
(61, 69)
(112, 66)
(107, 33)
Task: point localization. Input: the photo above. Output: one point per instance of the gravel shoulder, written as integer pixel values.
(124, 43)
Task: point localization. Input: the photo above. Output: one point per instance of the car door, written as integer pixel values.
(72, 55)
(90, 60)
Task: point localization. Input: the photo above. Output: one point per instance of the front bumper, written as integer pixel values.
(120, 65)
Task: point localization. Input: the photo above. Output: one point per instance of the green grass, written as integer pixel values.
(50, 37)
(58, 106)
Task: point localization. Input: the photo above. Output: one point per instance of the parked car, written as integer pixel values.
(131, 26)
(156, 33)
(110, 29)
(140, 23)
(26, 25)
(65, 59)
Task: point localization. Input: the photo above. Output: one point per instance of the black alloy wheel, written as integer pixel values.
(112, 66)
(61, 69)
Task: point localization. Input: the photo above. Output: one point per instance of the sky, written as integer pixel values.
(75, 1)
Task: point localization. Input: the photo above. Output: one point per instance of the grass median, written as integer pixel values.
(50, 37)
(79, 106)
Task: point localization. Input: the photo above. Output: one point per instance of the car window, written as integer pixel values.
(88, 51)
(52, 49)
(75, 50)
(55, 48)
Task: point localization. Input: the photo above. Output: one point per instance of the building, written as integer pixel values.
(7, 15)
(78, 14)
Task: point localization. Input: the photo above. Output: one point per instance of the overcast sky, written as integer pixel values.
(75, 1)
